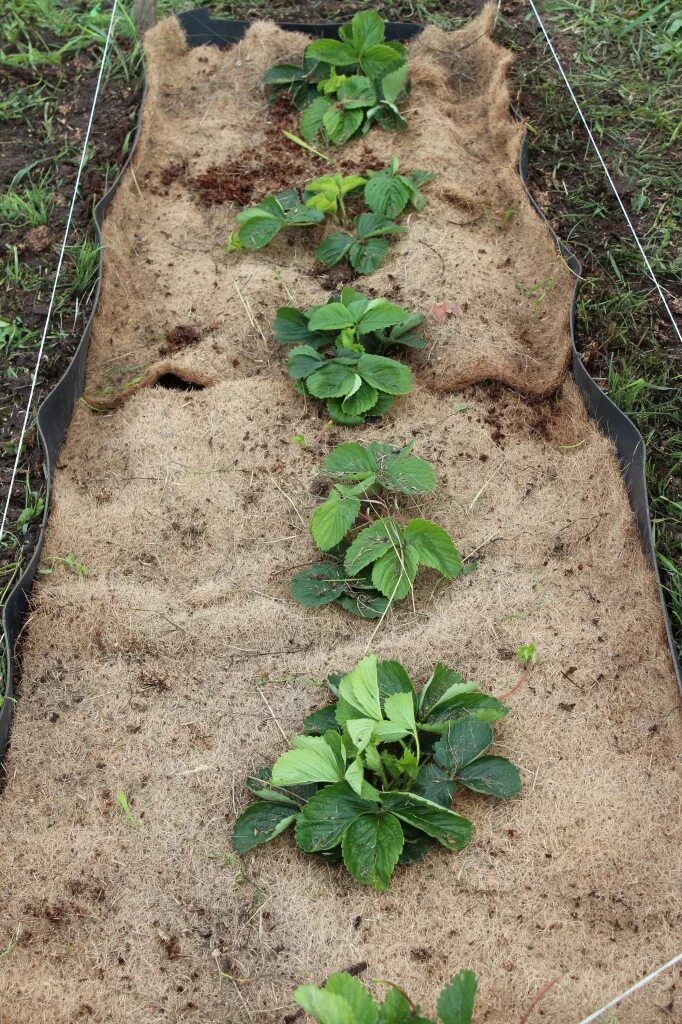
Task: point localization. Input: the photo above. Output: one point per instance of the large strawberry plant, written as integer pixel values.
(337, 353)
(372, 780)
(373, 551)
(344, 1000)
(346, 85)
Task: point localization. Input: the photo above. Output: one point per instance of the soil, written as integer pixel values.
(168, 671)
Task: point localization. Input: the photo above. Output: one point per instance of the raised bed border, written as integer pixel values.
(54, 414)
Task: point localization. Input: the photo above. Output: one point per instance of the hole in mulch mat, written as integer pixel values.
(165, 374)
(174, 382)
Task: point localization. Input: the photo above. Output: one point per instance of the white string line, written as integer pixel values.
(41, 347)
(610, 180)
(639, 984)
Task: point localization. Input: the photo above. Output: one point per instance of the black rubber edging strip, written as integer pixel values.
(54, 414)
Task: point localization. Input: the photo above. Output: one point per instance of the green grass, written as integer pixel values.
(29, 206)
(624, 60)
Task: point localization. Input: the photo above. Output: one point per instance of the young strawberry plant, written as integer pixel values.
(374, 557)
(387, 192)
(337, 353)
(344, 1000)
(259, 224)
(346, 85)
(363, 241)
(371, 781)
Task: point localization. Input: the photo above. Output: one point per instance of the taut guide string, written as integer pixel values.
(671, 963)
(41, 347)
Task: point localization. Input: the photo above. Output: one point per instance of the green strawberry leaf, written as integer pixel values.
(325, 1007)
(371, 847)
(318, 585)
(449, 829)
(333, 316)
(259, 823)
(379, 314)
(367, 30)
(356, 995)
(311, 760)
(408, 474)
(312, 118)
(366, 256)
(350, 460)
(386, 195)
(430, 542)
(492, 776)
(330, 523)
(456, 1001)
(393, 574)
(359, 693)
(463, 741)
(434, 784)
(371, 543)
(321, 823)
(303, 361)
(394, 83)
(332, 249)
(389, 376)
(291, 328)
(333, 380)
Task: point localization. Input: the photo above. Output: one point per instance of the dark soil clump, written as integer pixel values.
(178, 338)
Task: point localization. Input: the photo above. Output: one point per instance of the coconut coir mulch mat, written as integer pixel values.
(160, 672)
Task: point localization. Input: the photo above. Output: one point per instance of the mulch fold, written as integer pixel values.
(188, 509)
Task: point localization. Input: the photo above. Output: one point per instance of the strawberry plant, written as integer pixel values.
(371, 781)
(259, 224)
(344, 1000)
(337, 353)
(366, 473)
(346, 85)
(387, 192)
(363, 242)
(373, 556)
(365, 248)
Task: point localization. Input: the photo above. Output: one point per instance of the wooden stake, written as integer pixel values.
(144, 14)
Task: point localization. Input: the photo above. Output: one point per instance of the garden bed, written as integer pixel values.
(167, 671)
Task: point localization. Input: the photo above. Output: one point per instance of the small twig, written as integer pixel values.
(485, 484)
(254, 323)
(524, 672)
(541, 995)
(273, 716)
(284, 493)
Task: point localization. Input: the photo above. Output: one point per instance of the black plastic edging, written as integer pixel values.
(54, 415)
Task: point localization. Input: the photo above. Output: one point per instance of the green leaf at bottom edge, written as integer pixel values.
(456, 1001)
